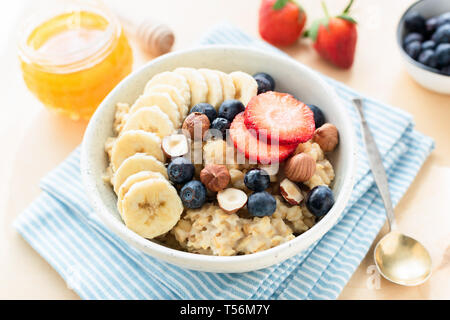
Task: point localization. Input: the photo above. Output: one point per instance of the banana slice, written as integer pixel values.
(163, 101)
(199, 87)
(134, 164)
(150, 119)
(135, 141)
(173, 79)
(174, 93)
(228, 89)
(134, 178)
(246, 86)
(215, 96)
(151, 207)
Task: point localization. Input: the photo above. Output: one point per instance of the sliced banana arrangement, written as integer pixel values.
(197, 84)
(174, 93)
(151, 207)
(132, 179)
(245, 85)
(215, 95)
(228, 89)
(146, 200)
(173, 79)
(161, 100)
(135, 141)
(150, 119)
(137, 163)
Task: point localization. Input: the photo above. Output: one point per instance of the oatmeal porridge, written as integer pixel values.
(210, 163)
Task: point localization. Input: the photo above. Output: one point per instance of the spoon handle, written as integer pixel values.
(376, 165)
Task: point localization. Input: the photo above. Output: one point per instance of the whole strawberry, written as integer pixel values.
(335, 37)
(281, 21)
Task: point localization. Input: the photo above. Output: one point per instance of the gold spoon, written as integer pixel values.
(399, 258)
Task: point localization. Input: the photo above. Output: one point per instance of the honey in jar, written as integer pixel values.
(73, 59)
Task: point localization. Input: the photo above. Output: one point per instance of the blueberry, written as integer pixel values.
(320, 200)
(261, 204)
(222, 125)
(267, 77)
(442, 34)
(263, 85)
(443, 19)
(446, 70)
(431, 24)
(443, 54)
(412, 37)
(428, 58)
(415, 22)
(206, 109)
(230, 108)
(193, 194)
(413, 49)
(429, 44)
(257, 179)
(319, 118)
(180, 170)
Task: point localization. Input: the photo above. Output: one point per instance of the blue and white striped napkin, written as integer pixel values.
(61, 225)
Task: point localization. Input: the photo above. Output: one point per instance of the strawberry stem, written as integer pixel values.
(279, 4)
(347, 9)
(325, 9)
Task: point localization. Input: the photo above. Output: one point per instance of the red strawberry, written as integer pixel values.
(280, 117)
(254, 149)
(335, 38)
(281, 21)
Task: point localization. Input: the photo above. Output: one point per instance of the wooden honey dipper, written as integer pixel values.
(155, 38)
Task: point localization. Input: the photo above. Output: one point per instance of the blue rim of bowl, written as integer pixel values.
(400, 43)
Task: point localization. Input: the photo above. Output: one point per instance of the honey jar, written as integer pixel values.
(71, 60)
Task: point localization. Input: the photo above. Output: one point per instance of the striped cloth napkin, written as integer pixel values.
(61, 225)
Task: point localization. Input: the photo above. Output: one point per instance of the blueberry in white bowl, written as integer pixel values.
(261, 204)
(415, 22)
(411, 37)
(257, 179)
(266, 76)
(180, 170)
(230, 108)
(319, 117)
(206, 109)
(423, 28)
(193, 194)
(320, 200)
(222, 125)
(265, 82)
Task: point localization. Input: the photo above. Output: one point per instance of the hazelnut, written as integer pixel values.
(327, 137)
(231, 200)
(196, 125)
(300, 168)
(175, 145)
(291, 192)
(215, 177)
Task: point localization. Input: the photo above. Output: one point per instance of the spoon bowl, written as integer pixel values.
(399, 258)
(402, 259)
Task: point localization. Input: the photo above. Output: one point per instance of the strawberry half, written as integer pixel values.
(280, 117)
(254, 149)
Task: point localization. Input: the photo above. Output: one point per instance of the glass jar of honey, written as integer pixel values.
(73, 58)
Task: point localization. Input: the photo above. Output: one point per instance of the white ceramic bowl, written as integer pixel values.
(424, 75)
(291, 77)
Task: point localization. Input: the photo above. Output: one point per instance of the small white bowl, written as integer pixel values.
(424, 75)
(290, 76)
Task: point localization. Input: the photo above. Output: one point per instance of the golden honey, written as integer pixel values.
(73, 60)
